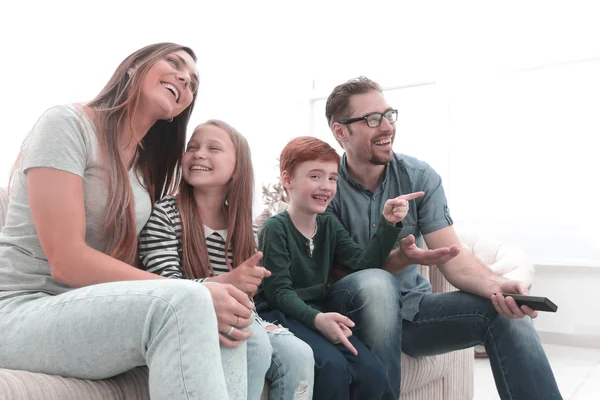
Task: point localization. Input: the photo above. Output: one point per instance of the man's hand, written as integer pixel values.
(233, 309)
(408, 253)
(395, 210)
(336, 328)
(506, 306)
(247, 276)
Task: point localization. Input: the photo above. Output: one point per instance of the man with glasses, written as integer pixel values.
(401, 309)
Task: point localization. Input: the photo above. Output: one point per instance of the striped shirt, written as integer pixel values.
(160, 246)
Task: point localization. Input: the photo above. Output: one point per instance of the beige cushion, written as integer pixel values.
(503, 258)
(17, 385)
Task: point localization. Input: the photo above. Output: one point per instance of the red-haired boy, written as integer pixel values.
(300, 246)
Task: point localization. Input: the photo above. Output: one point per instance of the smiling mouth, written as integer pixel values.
(200, 168)
(321, 198)
(383, 142)
(171, 89)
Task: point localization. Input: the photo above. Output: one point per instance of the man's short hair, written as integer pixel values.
(306, 148)
(338, 102)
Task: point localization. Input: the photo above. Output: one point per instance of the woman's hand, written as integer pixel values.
(234, 312)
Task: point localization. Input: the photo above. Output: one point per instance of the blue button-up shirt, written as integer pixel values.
(359, 210)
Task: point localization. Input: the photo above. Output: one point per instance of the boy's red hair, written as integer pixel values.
(306, 148)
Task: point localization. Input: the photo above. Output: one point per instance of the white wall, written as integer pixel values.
(575, 291)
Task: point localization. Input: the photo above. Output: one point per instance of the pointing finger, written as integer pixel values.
(255, 258)
(260, 272)
(411, 196)
(344, 340)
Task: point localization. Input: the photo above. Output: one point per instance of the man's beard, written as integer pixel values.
(378, 160)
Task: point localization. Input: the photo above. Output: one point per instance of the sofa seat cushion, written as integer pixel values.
(417, 372)
(132, 385)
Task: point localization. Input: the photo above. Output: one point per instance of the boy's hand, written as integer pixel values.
(394, 210)
(247, 276)
(336, 328)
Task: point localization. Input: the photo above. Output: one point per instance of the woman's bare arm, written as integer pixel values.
(57, 207)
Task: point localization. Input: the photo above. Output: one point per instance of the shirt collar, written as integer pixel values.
(346, 176)
(208, 231)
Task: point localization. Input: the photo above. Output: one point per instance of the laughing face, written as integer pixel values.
(209, 160)
(170, 84)
(311, 186)
(368, 144)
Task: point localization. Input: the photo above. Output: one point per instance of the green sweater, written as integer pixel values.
(298, 278)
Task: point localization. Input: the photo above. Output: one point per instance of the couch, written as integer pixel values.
(443, 377)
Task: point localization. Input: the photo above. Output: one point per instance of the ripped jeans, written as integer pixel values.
(291, 372)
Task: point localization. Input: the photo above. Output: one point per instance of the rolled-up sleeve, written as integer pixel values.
(433, 212)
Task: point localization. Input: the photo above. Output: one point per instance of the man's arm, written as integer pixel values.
(465, 271)
(468, 273)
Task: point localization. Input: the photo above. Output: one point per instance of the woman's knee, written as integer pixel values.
(181, 300)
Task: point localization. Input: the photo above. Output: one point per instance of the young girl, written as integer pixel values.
(82, 189)
(206, 234)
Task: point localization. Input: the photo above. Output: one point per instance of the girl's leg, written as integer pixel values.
(103, 330)
(292, 372)
(259, 360)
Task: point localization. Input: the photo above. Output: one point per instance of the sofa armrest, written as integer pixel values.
(439, 284)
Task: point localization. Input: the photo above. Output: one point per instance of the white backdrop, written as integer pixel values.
(507, 113)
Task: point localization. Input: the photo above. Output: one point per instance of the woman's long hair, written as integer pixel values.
(159, 153)
(237, 209)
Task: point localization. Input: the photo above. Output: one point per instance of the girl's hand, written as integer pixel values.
(248, 275)
(395, 210)
(336, 328)
(233, 309)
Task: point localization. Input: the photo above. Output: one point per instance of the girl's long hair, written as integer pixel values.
(158, 158)
(237, 209)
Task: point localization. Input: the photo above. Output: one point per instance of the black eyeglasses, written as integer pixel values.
(373, 120)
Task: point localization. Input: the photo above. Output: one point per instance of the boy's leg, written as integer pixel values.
(457, 320)
(259, 359)
(333, 375)
(100, 331)
(369, 373)
(370, 299)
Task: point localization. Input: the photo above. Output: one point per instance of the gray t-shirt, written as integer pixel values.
(359, 211)
(64, 139)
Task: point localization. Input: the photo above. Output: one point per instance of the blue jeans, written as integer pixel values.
(290, 364)
(337, 371)
(445, 322)
(100, 331)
